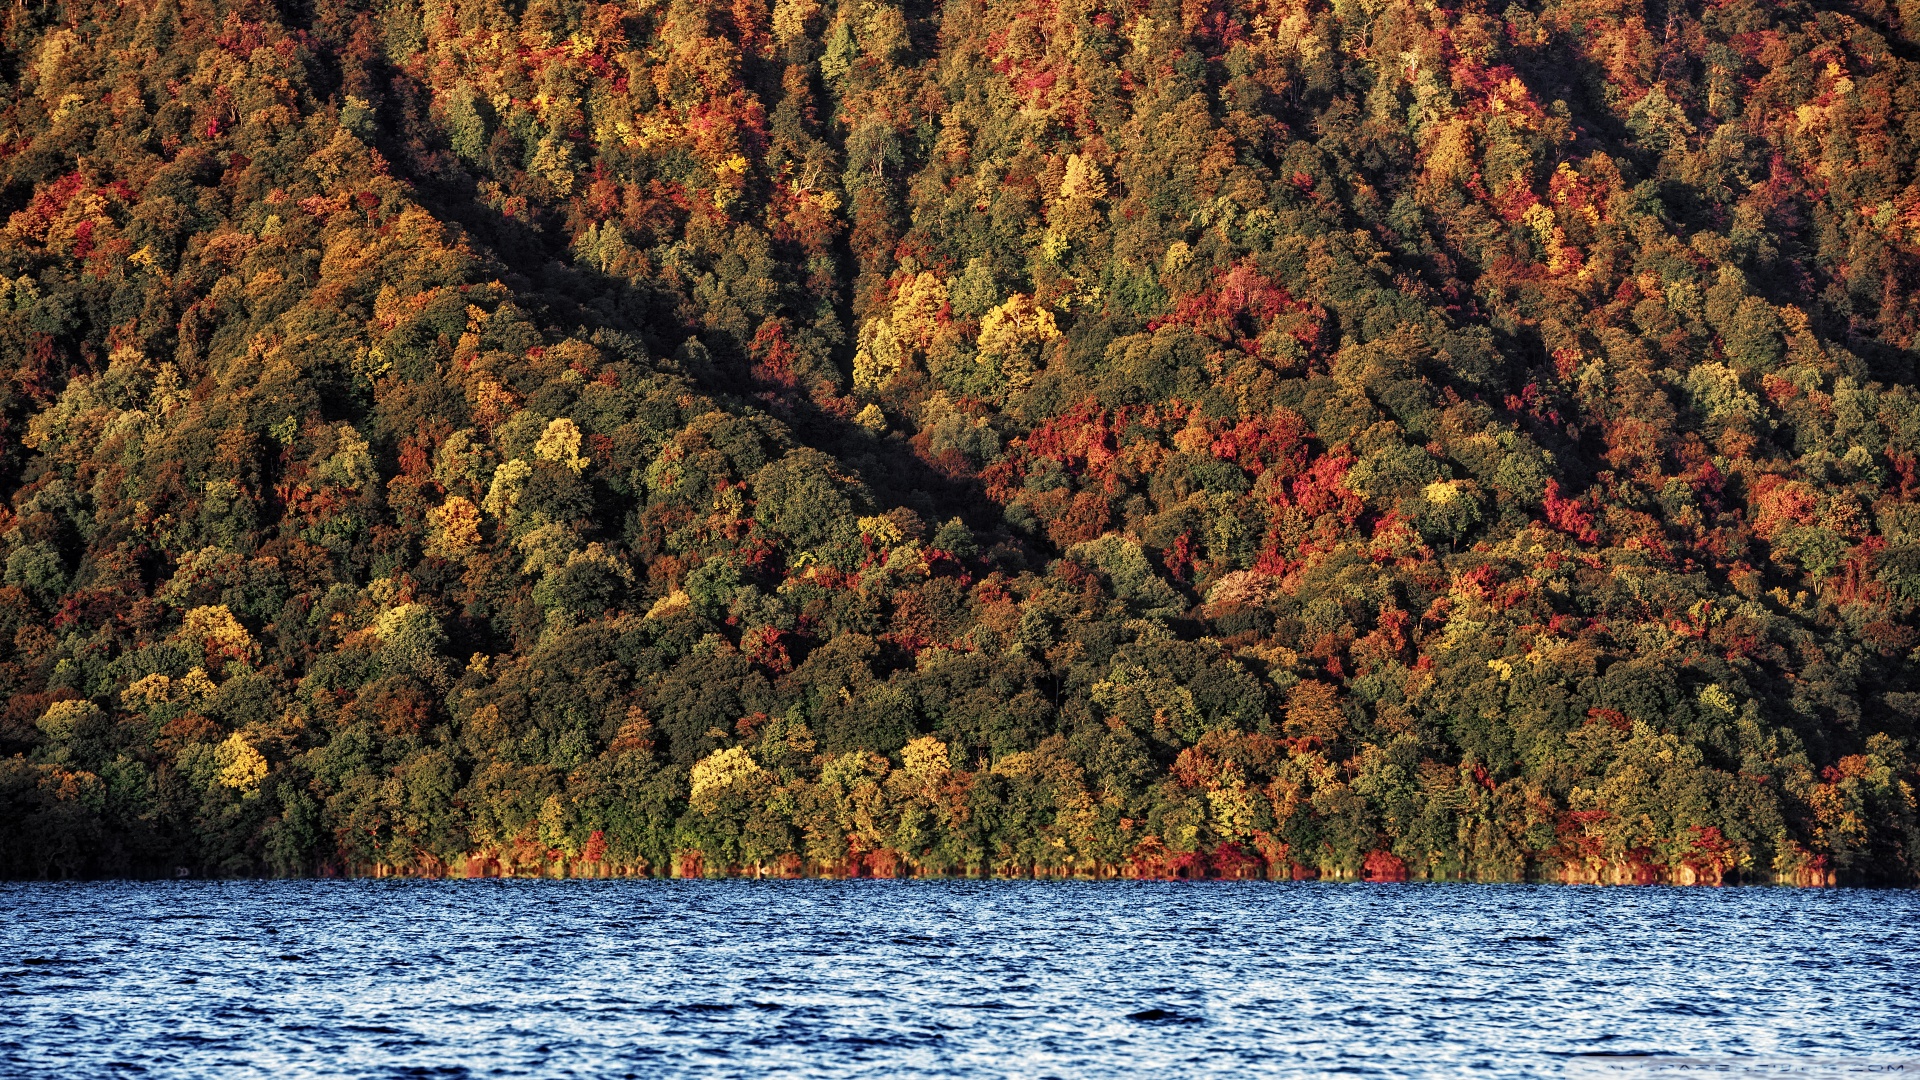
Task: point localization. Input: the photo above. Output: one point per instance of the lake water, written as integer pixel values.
(963, 979)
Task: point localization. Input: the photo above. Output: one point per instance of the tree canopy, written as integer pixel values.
(1360, 438)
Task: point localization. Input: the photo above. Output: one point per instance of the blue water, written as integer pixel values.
(964, 979)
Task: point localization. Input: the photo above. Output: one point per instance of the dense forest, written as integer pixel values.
(1170, 438)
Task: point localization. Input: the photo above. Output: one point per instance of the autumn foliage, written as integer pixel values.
(1250, 439)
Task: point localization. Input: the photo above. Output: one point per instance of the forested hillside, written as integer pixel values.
(1347, 438)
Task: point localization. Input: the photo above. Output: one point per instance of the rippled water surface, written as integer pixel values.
(498, 978)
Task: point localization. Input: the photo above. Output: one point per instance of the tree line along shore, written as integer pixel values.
(1354, 439)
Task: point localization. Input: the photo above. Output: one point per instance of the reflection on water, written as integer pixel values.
(498, 978)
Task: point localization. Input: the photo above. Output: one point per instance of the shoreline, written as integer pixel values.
(1612, 876)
